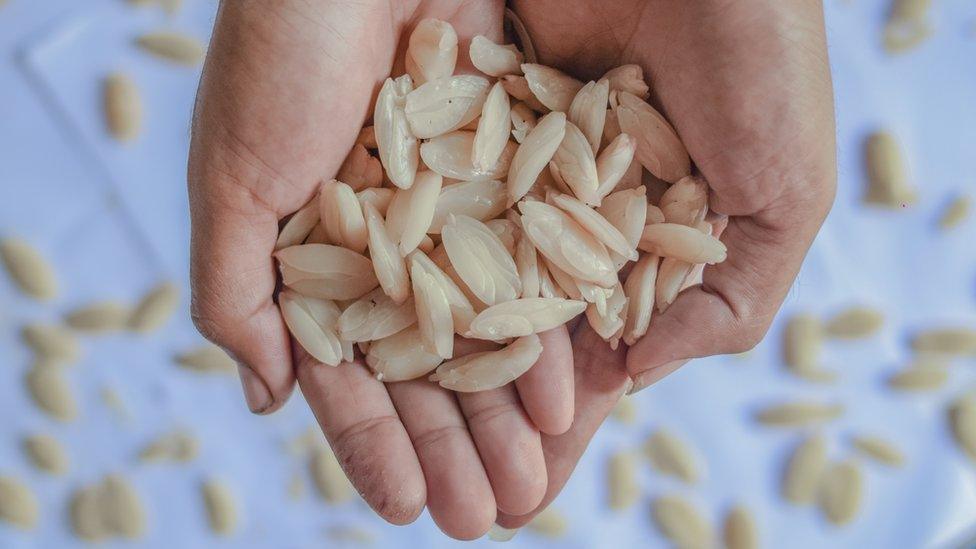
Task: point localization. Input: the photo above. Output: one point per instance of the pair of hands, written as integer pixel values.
(286, 87)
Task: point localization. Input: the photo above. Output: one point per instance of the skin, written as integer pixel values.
(284, 92)
(285, 89)
(746, 85)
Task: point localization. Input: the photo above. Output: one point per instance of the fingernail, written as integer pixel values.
(649, 377)
(256, 393)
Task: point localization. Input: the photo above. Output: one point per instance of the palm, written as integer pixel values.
(755, 114)
(283, 96)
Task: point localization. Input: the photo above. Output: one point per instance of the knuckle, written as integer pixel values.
(206, 325)
(746, 335)
(492, 413)
(429, 440)
(350, 436)
(216, 314)
(207, 318)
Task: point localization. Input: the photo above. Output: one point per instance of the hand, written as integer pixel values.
(286, 87)
(747, 87)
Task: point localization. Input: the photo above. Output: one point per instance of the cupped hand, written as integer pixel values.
(286, 87)
(747, 87)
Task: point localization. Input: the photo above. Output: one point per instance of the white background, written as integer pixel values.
(113, 220)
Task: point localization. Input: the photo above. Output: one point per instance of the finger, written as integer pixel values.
(507, 440)
(232, 278)
(546, 390)
(362, 426)
(732, 309)
(459, 496)
(601, 379)
(510, 447)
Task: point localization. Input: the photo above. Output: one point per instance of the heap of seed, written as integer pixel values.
(493, 208)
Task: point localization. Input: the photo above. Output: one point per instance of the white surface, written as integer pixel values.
(113, 219)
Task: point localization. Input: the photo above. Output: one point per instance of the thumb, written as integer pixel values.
(736, 302)
(233, 280)
(277, 109)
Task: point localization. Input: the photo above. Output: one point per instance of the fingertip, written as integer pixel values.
(461, 505)
(698, 323)
(280, 399)
(557, 424)
(404, 506)
(514, 522)
(519, 478)
(394, 488)
(530, 494)
(267, 389)
(256, 393)
(547, 389)
(260, 396)
(649, 377)
(638, 358)
(263, 352)
(648, 362)
(376, 464)
(474, 523)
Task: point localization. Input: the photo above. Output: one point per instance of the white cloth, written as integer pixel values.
(113, 219)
